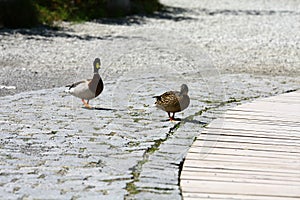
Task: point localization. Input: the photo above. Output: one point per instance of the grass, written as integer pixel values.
(60, 10)
(33, 12)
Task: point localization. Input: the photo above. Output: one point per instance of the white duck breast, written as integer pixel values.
(90, 88)
(82, 91)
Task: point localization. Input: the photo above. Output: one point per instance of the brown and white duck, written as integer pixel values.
(173, 101)
(90, 88)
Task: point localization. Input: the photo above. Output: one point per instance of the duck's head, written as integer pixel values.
(184, 89)
(97, 65)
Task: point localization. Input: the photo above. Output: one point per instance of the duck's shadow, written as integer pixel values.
(194, 121)
(99, 108)
(186, 120)
(174, 120)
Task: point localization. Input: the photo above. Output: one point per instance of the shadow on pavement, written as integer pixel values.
(186, 120)
(168, 13)
(99, 108)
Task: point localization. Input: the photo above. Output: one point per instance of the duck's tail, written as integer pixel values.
(158, 98)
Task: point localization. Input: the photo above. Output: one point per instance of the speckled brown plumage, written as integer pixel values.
(173, 101)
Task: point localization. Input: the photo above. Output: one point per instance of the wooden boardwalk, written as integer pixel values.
(252, 152)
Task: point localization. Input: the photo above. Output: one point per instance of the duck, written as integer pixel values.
(173, 101)
(90, 88)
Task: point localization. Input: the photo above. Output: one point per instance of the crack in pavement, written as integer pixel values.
(133, 189)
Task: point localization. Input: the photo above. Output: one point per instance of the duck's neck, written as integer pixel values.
(96, 76)
(96, 84)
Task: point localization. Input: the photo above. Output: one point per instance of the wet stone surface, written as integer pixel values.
(53, 148)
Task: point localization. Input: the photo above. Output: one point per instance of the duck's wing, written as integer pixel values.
(73, 85)
(167, 98)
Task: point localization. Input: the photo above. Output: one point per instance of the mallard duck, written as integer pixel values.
(173, 101)
(90, 88)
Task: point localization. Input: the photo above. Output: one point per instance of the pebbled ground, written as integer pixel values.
(52, 148)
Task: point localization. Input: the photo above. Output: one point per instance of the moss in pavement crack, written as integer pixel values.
(136, 170)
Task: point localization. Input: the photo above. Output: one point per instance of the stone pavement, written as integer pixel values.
(52, 148)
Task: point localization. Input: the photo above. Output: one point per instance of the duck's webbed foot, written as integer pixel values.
(86, 104)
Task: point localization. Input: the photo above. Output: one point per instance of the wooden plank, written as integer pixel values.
(279, 138)
(231, 124)
(288, 116)
(194, 175)
(248, 132)
(292, 113)
(241, 166)
(271, 106)
(220, 187)
(256, 115)
(234, 178)
(236, 145)
(271, 126)
(246, 159)
(221, 121)
(261, 118)
(261, 121)
(207, 196)
(243, 141)
(235, 170)
(251, 152)
(257, 173)
(201, 151)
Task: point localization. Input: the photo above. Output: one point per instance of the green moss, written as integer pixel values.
(134, 114)
(112, 133)
(136, 120)
(155, 146)
(104, 192)
(82, 149)
(133, 144)
(16, 189)
(131, 188)
(42, 176)
(10, 157)
(96, 128)
(63, 171)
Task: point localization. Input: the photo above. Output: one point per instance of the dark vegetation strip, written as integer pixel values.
(29, 13)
